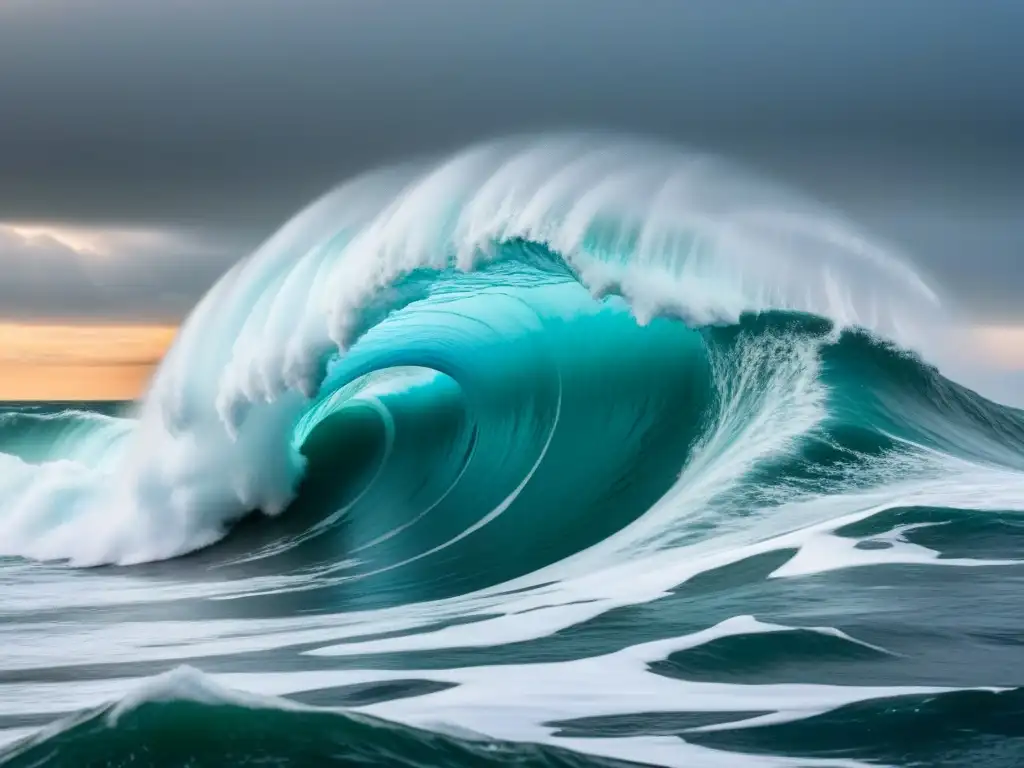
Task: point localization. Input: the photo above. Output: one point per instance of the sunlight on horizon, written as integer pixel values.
(64, 361)
(1002, 345)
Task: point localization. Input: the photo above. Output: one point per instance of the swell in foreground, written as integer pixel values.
(516, 446)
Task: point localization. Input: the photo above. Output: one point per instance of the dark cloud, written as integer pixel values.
(116, 275)
(227, 115)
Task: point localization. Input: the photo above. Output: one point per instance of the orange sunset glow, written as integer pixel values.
(79, 362)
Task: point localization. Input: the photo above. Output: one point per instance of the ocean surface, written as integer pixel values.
(557, 452)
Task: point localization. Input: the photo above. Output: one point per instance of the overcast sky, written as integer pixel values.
(190, 129)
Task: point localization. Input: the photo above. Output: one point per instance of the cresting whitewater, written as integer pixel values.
(562, 451)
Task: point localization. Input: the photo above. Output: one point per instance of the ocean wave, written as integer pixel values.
(186, 718)
(495, 252)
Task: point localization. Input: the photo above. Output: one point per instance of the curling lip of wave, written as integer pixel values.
(670, 233)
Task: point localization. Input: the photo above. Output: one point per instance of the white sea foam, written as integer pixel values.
(532, 697)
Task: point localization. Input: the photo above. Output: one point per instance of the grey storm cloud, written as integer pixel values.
(225, 116)
(152, 276)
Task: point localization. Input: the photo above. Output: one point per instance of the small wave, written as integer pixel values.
(185, 718)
